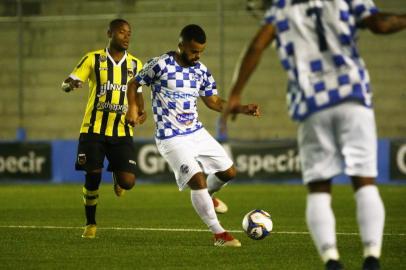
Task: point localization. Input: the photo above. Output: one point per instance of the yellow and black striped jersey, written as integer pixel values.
(107, 103)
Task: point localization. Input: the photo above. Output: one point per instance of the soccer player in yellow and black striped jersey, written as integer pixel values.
(104, 132)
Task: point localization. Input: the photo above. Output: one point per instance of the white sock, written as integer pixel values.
(321, 222)
(204, 207)
(371, 219)
(214, 184)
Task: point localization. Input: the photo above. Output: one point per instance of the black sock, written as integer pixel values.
(91, 195)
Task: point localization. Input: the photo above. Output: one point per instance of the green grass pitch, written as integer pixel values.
(155, 227)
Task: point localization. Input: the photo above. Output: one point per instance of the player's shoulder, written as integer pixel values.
(202, 67)
(165, 58)
(96, 52)
(133, 58)
(161, 60)
(90, 56)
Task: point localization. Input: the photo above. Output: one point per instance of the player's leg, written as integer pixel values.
(202, 202)
(371, 218)
(203, 205)
(122, 181)
(90, 159)
(121, 154)
(320, 162)
(90, 199)
(321, 222)
(217, 164)
(215, 182)
(180, 153)
(359, 147)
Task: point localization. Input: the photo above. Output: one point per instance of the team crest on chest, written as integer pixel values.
(130, 73)
(102, 58)
(194, 77)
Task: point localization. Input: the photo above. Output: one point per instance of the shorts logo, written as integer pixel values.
(184, 168)
(132, 162)
(81, 159)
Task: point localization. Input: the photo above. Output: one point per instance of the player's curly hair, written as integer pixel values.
(193, 32)
(117, 23)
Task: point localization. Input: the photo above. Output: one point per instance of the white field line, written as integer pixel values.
(161, 229)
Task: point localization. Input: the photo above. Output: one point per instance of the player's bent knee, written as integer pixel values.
(232, 172)
(126, 180)
(128, 183)
(198, 181)
(228, 174)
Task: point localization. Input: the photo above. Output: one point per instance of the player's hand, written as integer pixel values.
(70, 84)
(131, 118)
(250, 109)
(142, 116)
(76, 84)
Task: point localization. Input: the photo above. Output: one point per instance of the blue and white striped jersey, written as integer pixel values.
(175, 90)
(316, 42)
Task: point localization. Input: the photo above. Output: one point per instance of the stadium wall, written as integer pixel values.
(40, 48)
(274, 161)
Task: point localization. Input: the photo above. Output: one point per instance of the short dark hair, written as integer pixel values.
(117, 23)
(193, 32)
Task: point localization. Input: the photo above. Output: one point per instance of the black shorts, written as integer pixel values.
(93, 148)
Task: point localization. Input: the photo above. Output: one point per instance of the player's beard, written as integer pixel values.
(186, 60)
(118, 47)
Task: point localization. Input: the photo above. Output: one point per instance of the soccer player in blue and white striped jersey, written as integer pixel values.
(177, 80)
(329, 94)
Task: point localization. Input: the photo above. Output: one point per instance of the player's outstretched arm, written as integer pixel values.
(69, 84)
(135, 114)
(251, 58)
(385, 23)
(218, 104)
(245, 67)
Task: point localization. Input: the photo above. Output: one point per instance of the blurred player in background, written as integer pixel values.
(177, 79)
(329, 94)
(104, 132)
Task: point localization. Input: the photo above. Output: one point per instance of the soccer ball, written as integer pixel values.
(257, 224)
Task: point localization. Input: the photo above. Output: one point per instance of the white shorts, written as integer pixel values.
(338, 139)
(193, 153)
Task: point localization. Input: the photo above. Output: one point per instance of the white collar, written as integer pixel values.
(112, 60)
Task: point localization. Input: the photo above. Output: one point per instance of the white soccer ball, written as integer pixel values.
(257, 224)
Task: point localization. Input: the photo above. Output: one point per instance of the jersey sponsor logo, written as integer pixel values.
(111, 87)
(108, 107)
(178, 95)
(185, 118)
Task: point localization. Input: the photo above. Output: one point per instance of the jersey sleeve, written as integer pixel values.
(83, 69)
(270, 15)
(208, 86)
(150, 72)
(362, 9)
(136, 65)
